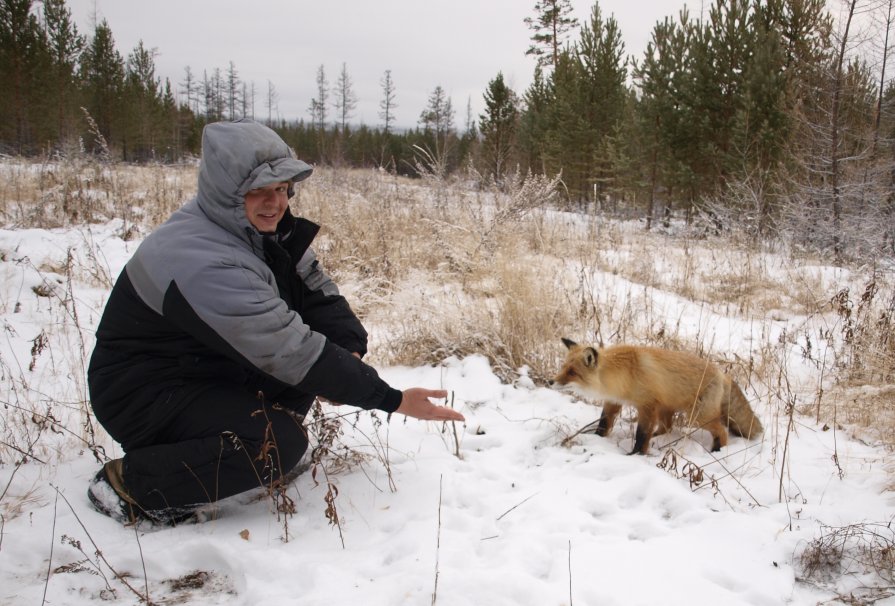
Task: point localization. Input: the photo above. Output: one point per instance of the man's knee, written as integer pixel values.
(275, 393)
(285, 441)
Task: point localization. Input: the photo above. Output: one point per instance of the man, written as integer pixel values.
(217, 337)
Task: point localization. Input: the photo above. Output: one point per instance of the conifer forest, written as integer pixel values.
(769, 116)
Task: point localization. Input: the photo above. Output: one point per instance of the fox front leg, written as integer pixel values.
(607, 419)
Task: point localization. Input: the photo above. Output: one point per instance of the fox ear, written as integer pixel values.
(568, 343)
(590, 357)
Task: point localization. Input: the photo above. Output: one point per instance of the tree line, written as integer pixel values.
(66, 92)
(766, 113)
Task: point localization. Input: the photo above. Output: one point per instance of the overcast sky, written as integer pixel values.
(458, 44)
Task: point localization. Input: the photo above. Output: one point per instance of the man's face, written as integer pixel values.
(265, 206)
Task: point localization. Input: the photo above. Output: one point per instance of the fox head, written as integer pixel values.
(579, 370)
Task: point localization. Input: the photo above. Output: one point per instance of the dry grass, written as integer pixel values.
(857, 550)
(65, 192)
(439, 267)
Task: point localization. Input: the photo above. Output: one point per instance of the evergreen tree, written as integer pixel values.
(20, 44)
(805, 28)
(143, 102)
(190, 89)
(552, 22)
(387, 105)
(218, 94)
(272, 99)
(730, 46)
(567, 145)
(534, 123)
(317, 109)
(660, 78)
(438, 116)
(65, 45)
(762, 124)
(437, 120)
(233, 89)
(600, 53)
(346, 100)
(498, 128)
(170, 140)
(248, 100)
(102, 75)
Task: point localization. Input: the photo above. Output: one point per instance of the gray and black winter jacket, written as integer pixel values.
(208, 296)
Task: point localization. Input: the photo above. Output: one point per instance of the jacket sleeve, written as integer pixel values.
(325, 310)
(334, 373)
(356, 383)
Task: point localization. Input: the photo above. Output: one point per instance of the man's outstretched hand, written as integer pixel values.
(416, 404)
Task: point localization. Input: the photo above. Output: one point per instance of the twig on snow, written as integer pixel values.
(516, 505)
(52, 544)
(437, 541)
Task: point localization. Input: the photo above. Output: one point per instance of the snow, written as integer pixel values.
(509, 508)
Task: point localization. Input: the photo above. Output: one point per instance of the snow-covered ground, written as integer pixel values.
(509, 508)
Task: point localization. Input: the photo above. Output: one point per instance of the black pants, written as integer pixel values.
(223, 439)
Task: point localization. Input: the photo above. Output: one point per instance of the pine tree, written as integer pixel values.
(567, 144)
(317, 108)
(65, 45)
(190, 89)
(346, 100)
(20, 42)
(438, 116)
(219, 94)
(271, 102)
(102, 74)
(762, 123)
(143, 102)
(387, 105)
(498, 128)
(722, 58)
(553, 21)
(661, 77)
(233, 88)
(437, 120)
(600, 53)
(318, 112)
(534, 123)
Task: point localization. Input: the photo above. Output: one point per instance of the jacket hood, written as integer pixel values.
(237, 157)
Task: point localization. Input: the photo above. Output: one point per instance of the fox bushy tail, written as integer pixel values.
(741, 420)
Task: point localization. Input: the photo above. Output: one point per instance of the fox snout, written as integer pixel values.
(557, 383)
(564, 378)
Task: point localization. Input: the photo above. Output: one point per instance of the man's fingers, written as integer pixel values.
(416, 403)
(435, 393)
(442, 413)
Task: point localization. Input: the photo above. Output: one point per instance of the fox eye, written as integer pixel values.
(572, 374)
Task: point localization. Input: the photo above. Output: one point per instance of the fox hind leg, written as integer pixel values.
(719, 434)
(666, 418)
(646, 425)
(708, 414)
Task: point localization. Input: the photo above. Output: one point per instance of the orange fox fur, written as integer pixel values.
(658, 383)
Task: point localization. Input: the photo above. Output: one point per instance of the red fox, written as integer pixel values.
(658, 383)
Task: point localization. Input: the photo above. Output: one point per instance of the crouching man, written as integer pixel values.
(217, 337)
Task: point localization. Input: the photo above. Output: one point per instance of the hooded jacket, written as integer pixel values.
(208, 296)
